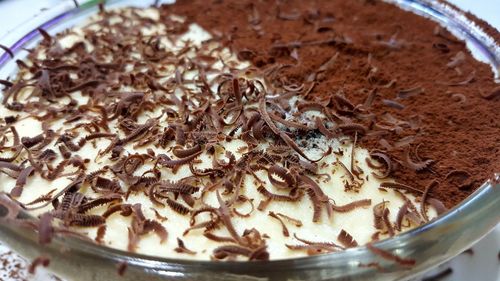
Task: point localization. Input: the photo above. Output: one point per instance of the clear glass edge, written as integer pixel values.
(429, 245)
(474, 217)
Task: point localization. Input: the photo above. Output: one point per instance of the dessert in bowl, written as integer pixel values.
(171, 133)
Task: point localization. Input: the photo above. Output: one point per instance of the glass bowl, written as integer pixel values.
(428, 245)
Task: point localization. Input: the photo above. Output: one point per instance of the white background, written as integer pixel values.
(483, 265)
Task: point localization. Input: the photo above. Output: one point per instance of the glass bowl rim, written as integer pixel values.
(435, 9)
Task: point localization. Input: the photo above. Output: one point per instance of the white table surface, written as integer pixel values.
(484, 265)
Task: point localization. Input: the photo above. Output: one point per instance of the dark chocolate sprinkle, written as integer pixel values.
(439, 276)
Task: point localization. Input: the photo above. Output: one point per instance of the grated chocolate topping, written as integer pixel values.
(162, 112)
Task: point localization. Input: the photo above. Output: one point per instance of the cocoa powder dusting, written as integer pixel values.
(380, 49)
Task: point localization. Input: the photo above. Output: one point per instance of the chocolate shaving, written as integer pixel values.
(296, 222)
(352, 128)
(121, 267)
(124, 209)
(390, 256)
(10, 166)
(286, 233)
(99, 202)
(353, 150)
(423, 200)
(493, 94)
(403, 210)
(224, 252)
(276, 197)
(348, 171)
(181, 248)
(225, 217)
(416, 166)
(45, 229)
(316, 205)
(243, 198)
(260, 253)
(330, 246)
(42, 198)
(467, 80)
(381, 218)
(458, 178)
(289, 180)
(406, 141)
(445, 34)
(39, 261)
(188, 152)
(158, 216)
(265, 116)
(101, 232)
(387, 162)
(219, 239)
(395, 185)
(375, 265)
(312, 249)
(46, 36)
(101, 6)
(321, 127)
(8, 84)
(178, 207)
(393, 104)
(181, 188)
(167, 162)
(288, 123)
(13, 208)
(86, 220)
(456, 60)
(437, 205)
(295, 147)
(7, 50)
(288, 16)
(469, 252)
(21, 181)
(439, 276)
(351, 206)
(406, 93)
(459, 98)
(346, 239)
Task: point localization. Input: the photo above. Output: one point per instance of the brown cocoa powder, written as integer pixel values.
(384, 49)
